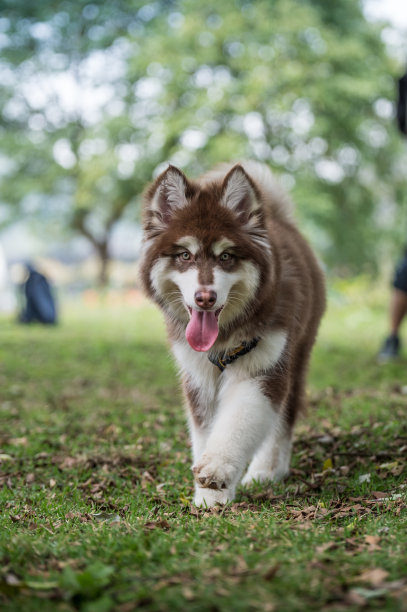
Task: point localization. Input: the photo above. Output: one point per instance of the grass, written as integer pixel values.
(95, 483)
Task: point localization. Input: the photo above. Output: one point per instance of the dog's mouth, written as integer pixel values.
(202, 329)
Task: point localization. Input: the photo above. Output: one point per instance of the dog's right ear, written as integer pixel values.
(167, 194)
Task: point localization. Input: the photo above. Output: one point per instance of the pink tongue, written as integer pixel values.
(202, 330)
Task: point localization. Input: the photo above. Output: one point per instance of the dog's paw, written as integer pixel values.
(207, 498)
(260, 476)
(281, 473)
(213, 473)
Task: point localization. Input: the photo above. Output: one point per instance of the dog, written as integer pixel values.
(242, 295)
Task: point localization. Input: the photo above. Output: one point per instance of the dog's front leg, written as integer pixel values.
(199, 432)
(242, 420)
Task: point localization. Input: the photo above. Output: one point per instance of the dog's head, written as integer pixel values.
(205, 250)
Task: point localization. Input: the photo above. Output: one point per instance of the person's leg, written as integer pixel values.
(398, 310)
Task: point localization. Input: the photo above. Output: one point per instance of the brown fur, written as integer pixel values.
(291, 295)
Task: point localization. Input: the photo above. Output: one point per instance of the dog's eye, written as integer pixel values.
(225, 256)
(185, 256)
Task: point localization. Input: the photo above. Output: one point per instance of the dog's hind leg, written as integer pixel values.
(272, 461)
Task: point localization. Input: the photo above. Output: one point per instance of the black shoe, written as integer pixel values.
(390, 349)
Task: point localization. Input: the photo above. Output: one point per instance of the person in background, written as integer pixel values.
(39, 301)
(398, 309)
(398, 299)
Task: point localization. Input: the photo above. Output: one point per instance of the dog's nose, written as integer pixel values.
(205, 298)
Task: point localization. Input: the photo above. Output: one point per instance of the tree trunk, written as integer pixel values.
(104, 260)
(100, 246)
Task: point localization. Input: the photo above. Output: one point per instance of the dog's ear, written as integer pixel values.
(240, 195)
(168, 193)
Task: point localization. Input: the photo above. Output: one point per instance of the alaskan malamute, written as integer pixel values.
(242, 295)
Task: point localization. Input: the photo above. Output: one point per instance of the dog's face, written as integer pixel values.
(204, 247)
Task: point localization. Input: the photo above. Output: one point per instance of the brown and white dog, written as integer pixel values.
(242, 295)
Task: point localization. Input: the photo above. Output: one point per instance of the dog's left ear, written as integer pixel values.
(168, 193)
(239, 194)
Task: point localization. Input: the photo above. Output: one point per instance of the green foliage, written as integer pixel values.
(304, 86)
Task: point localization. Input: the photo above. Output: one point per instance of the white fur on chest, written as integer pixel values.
(206, 379)
(202, 375)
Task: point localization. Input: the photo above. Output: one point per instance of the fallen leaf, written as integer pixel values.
(325, 547)
(327, 465)
(372, 542)
(379, 494)
(354, 598)
(5, 457)
(241, 567)
(67, 463)
(41, 586)
(375, 577)
(188, 593)
(160, 524)
(194, 510)
(365, 594)
(388, 466)
(12, 579)
(15, 518)
(271, 572)
(326, 439)
(304, 525)
(19, 441)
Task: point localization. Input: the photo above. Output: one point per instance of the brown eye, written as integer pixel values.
(225, 256)
(185, 256)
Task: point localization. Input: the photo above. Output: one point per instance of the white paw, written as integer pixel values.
(281, 473)
(259, 476)
(265, 476)
(207, 498)
(213, 472)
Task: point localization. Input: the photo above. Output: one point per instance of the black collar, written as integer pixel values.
(224, 359)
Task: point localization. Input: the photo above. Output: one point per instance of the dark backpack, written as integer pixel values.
(40, 304)
(402, 105)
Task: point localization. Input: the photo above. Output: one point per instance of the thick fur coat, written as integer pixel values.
(242, 295)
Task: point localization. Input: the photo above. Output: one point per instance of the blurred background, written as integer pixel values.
(96, 98)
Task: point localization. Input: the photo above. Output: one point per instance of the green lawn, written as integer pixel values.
(96, 489)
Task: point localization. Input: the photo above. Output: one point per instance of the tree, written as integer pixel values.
(65, 114)
(103, 95)
(305, 86)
